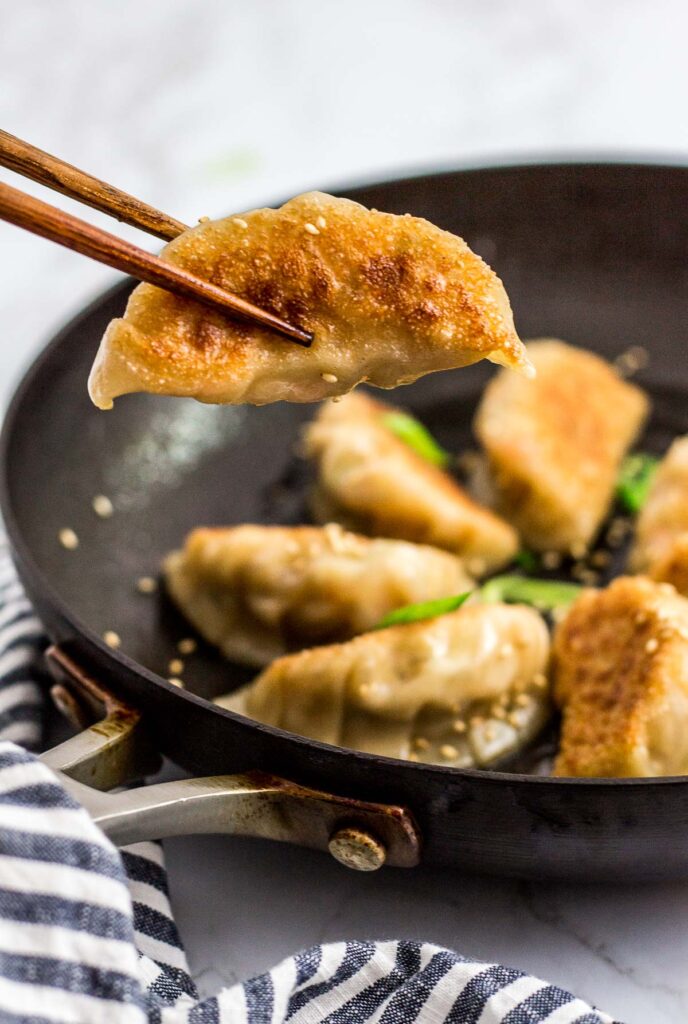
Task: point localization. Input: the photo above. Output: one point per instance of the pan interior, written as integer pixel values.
(590, 254)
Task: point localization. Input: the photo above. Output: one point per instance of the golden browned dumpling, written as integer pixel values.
(466, 689)
(621, 678)
(373, 482)
(554, 444)
(661, 537)
(258, 592)
(388, 299)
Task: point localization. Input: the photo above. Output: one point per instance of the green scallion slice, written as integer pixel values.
(635, 479)
(423, 610)
(412, 432)
(545, 595)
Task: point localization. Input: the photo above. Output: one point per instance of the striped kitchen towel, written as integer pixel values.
(87, 935)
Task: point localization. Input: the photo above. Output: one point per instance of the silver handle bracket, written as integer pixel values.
(116, 748)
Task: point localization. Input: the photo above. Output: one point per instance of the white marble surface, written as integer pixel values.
(206, 106)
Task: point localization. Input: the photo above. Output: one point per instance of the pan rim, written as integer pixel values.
(28, 566)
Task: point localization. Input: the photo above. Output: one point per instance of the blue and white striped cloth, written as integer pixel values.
(87, 935)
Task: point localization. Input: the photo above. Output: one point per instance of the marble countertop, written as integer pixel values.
(214, 106)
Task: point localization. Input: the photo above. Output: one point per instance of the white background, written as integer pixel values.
(207, 107)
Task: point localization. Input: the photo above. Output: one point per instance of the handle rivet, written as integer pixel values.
(357, 849)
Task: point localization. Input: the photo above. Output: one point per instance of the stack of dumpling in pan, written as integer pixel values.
(467, 687)
(389, 299)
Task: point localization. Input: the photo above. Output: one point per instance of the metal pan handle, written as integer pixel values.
(116, 749)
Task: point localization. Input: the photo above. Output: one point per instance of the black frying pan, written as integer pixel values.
(595, 254)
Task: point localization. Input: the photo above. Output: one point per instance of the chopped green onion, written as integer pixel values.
(635, 479)
(409, 430)
(527, 561)
(545, 595)
(423, 610)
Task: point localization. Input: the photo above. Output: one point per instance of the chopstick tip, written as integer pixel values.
(303, 338)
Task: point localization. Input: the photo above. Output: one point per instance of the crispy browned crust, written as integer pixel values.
(555, 442)
(373, 482)
(620, 663)
(661, 537)
(388, 298)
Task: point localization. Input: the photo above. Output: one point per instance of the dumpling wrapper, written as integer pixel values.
(258, 592)
(660, 549)
(373, 482)
(620, 660)
(388, 298)
(466, 689)
(554, 444)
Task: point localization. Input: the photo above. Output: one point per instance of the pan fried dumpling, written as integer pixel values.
(465, 689)
(388, 299)
(258, 592)
(554, 444)
(661, 534)
(373, 482)
(621, 679)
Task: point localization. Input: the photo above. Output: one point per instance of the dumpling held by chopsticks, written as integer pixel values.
(388, 299)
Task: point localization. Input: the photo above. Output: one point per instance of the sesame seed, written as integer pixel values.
(652, 645)
(506, 650)
(68, 539)
(551, 560)
(204, 219)
(187, 645)
(618, 528)
(448, 752)
(175, 667)
(641, 618)
(240, 222)
(337, 398)
(459, 725)
(540, 680)
(499, 712)
(640, 354)
(490, 732)
(513, 719)
(146, 585)
(176, 682)
(329, 378)
(111, 638)
(522, 700)
(578, 549)
(102, 506)
(476, 721)
(600, 558)
(420, 743)
(633, 359)
(667, 588)
(321, 222)
(412, 756)
(311, 228)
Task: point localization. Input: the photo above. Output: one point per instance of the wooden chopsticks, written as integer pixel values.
(50, 222)
(33, 163)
